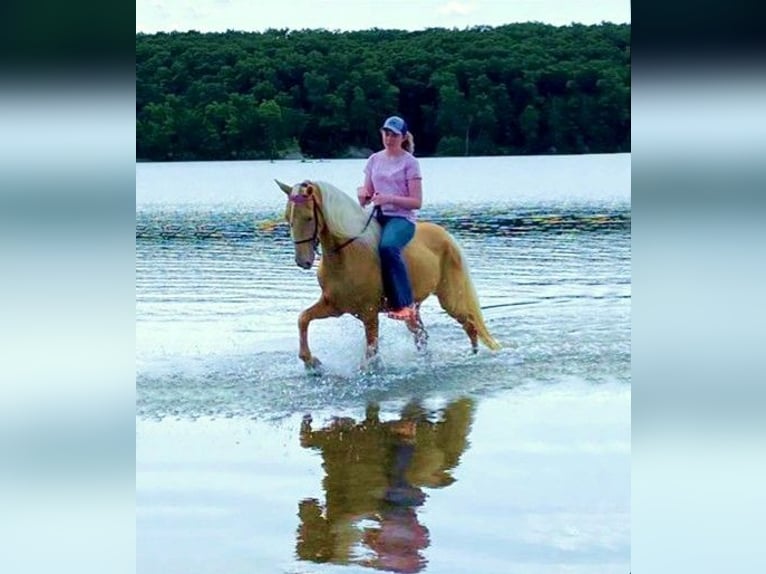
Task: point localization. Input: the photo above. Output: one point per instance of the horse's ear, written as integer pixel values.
(284, 187)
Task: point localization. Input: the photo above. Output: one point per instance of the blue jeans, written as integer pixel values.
(396, 233)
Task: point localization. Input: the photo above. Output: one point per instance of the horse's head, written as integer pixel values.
(304, 217)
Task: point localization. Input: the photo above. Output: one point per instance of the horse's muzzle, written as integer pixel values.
(304, 263)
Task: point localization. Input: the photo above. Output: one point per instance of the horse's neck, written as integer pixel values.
(336, 257)
(329, 242)
(338, 248)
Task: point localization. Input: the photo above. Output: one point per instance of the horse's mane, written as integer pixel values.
(345, 217)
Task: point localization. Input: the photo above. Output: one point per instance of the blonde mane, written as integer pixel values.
(345, 217)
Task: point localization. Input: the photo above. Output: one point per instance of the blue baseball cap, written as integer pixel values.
(396, 125)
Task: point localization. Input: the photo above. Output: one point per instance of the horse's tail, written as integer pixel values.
(457, 295)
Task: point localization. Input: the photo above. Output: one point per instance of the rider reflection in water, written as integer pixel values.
(375, 474)
(398, 541)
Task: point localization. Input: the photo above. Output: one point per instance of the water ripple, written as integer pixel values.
(218, 295)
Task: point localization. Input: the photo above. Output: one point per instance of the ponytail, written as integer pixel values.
(408, 143)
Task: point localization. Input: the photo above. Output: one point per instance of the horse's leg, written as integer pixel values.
(418, 330)
(371, 329)
(472, 333)
(452, 303)
(467, 325)
(319, 310)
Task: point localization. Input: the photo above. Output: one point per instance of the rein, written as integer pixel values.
(375, 209)
(300, 199)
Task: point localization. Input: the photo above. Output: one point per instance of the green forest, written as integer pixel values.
(517, 89)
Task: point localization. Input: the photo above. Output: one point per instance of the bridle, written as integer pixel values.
(314, 239)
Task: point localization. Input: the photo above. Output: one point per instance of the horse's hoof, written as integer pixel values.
(314, 366)
(372, 364)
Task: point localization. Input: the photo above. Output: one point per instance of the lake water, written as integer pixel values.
(508, 461)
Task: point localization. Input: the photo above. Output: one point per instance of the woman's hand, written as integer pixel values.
(363, 196)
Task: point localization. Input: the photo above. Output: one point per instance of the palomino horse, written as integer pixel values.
(349, 273)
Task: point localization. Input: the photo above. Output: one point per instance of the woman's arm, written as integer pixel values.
(366, 191)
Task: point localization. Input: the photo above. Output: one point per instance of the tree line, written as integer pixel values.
(526, 88)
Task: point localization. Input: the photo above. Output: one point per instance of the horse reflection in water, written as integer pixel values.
(375, 475)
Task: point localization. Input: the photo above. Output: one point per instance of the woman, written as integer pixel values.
(393, 184)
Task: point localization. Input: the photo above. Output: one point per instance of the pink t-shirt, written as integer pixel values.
(391, 176)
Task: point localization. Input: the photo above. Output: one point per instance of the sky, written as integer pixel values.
(259, 15)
